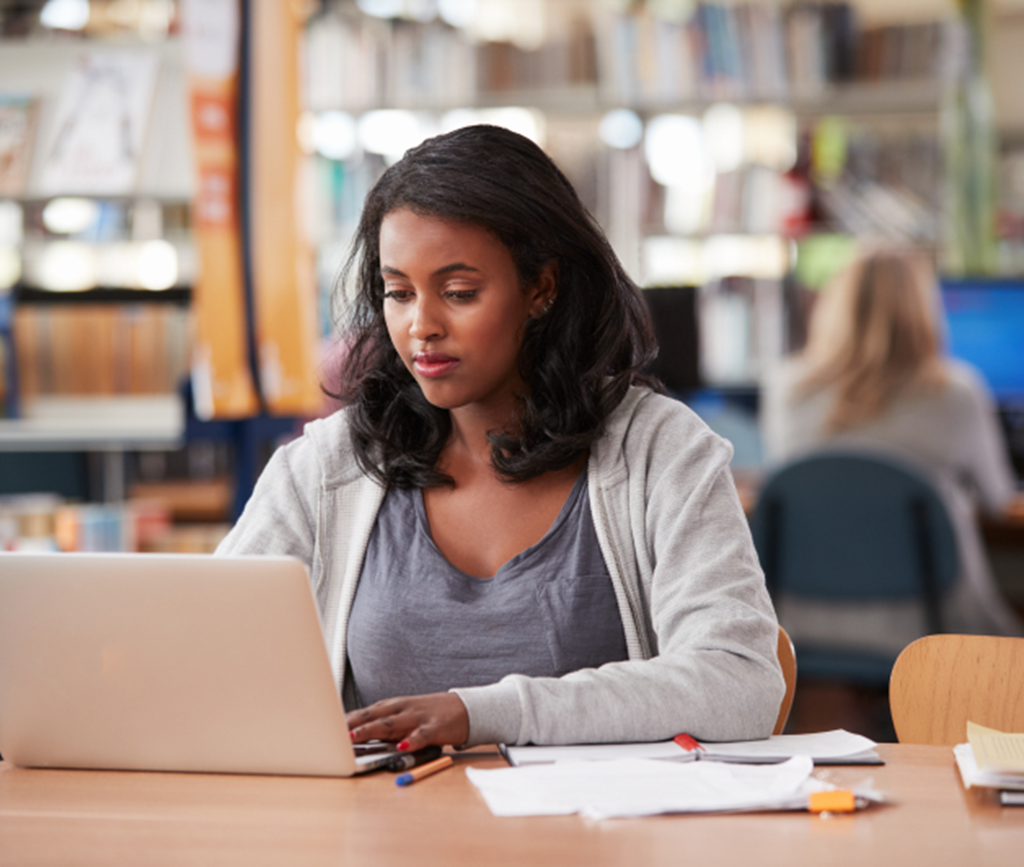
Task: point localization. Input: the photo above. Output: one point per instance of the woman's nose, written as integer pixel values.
(426, 320)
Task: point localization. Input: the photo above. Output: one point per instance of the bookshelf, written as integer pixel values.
(842, 116)
(95, 331)
(95, 301)
(95, 352)
(108, 424)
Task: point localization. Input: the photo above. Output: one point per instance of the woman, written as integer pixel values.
(510, 537)
(874, 377)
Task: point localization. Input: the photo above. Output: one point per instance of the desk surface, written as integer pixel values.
(106, 818)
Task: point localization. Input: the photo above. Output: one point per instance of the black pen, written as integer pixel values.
(411, 760)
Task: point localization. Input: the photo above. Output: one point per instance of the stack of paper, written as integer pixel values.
(644, 787)
(993, 759)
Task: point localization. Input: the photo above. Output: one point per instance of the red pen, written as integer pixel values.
(687, 743)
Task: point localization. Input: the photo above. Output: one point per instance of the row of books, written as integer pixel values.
(747, 50)
(46, 522)
(759, 50)
(100, 349)
(360, 63)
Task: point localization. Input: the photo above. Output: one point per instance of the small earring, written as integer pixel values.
(546, 309)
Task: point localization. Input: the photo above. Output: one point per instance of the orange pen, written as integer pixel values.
(424, 771)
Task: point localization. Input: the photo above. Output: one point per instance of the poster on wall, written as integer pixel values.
(100, 124)
(17, 128)
(222, 384)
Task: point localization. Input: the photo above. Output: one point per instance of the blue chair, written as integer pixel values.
(835, 527)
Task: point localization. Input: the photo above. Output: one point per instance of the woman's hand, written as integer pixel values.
(414, 721)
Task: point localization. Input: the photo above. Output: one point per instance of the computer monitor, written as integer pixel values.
(986, 328)
(674, 314)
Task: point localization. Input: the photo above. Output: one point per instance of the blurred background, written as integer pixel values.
(180, 180)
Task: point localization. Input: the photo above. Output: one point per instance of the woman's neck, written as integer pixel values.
(470, 429)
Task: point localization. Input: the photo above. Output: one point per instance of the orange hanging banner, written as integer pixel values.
(222, 384)
(283, 273)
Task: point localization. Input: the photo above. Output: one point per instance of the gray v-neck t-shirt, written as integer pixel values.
(419, 625)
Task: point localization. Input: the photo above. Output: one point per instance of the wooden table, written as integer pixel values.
(107, 818)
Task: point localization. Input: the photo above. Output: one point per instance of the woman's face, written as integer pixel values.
(455, 309)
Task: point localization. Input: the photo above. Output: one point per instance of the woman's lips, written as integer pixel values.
(434, 364)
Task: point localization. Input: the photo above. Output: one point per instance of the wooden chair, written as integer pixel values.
(787, 659)
(941, 681)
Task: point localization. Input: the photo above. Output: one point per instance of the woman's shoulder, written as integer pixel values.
(325, 444)
(964, 379)
(661, 428)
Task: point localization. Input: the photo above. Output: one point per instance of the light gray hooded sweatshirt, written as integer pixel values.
(700, 629)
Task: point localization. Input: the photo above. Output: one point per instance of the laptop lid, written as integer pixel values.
(167, 662)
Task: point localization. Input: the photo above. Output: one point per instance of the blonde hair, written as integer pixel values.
(874, 332)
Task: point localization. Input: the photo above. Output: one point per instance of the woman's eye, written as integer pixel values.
(460, 294)
(397, 295)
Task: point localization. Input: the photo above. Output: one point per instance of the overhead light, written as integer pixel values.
(525, 121)
(65, 14)
(671, 261)
(70, 216)
(521, 22)
(10, 266)
(334, 135)
(771, 135)
(67, 266)
(381, 8)
(723, 135)
(621, 128)
(759, 256)
(457, 118)
(457, 13)
(157, 265)
(686, 210)
(390, 132)
(674, 148)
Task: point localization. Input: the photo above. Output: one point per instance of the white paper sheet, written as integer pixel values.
(644, 787)
(820, 745)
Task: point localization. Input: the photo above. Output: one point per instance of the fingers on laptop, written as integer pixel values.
(412, 722)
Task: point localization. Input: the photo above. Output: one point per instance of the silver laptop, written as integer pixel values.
(168, 662)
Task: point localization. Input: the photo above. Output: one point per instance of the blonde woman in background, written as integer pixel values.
(874, 377)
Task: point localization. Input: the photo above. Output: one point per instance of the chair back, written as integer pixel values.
(941, 681)
(842, 526)
(787, 659)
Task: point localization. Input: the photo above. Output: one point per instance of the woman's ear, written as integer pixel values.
(544, 291)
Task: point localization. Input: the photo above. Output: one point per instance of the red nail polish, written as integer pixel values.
(403, 746)
(352, 735)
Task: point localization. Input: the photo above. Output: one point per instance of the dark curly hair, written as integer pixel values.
(577, 361)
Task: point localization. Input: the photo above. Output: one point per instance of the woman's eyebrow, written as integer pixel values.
(447, 269)
(455, 266)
